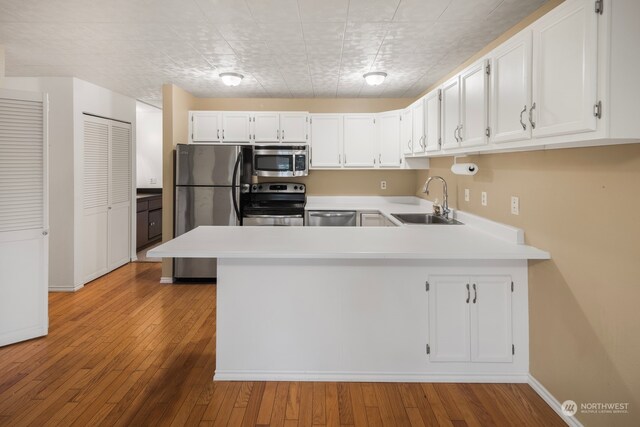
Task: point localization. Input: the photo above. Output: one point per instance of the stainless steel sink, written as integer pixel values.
(422, 218)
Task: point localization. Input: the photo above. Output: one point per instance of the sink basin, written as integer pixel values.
(422, 218)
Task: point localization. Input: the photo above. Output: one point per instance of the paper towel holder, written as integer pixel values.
(463, 168)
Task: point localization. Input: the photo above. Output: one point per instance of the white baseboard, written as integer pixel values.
(165, 279)
(553, 402)
(367, 377)
(65, 288)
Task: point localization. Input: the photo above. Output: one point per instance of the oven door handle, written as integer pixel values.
(235, 187)
(272, 216)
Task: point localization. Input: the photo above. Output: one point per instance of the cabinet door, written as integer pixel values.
(359, 140)
(565, 70)
(155, 224)
(491, 323)
(432, 121)
(449, 298)
(474, 103)
(406, 132)
(450, 113)
(205, 126)
(236, 127)
(294, 127)
(511, 90)
(326, 141)
(266, 127)
(119, 221)
(142, 228)
(372, 219)
(389, 134)
(417, 123)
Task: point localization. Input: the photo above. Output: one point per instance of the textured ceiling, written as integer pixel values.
(285, 48)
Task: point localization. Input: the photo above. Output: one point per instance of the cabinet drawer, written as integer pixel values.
(155, 223)
(143, 205)
(155, 203)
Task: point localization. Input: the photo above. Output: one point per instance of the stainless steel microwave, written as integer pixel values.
(280, 161)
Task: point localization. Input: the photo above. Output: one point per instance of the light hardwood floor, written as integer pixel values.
(126, 350)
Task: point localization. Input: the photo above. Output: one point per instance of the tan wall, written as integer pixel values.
(177, 103)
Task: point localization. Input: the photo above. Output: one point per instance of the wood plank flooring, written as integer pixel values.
(126, 350)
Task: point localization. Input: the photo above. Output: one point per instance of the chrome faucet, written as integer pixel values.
(445, 203)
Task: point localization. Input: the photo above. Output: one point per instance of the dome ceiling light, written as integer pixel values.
(374, 78)
(231, 79)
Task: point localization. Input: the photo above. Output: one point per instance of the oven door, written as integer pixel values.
(273, 220)
(280, 162)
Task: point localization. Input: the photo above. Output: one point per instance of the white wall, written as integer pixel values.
(148, 146)
(1, 65)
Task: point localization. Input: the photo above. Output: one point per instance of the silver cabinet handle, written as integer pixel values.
(374, 160)
(339, 162)
(379, 158)
(222, 133)
(423, 143)
(455, 133)
(409, 144)
(460, 133)
(218, 133)
(524, 125)
(468, 294)
(283, 134)
(533, 124)
(278, 134)
(475, 293)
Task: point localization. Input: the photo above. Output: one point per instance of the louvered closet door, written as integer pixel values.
(95, 227)
(120, 203)
(23, 216)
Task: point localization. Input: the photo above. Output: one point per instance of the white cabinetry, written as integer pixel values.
(417, 125)
(406, 131)
(389, 134)
(432, 120)
(266, 127)
(106, 218)
(470, 319)
(205, 126)
(511, 90)
(236, 127)
(326, 140)
(359, 140)
(450, 114)
(565, 66)
(474, 104)
(294, 127)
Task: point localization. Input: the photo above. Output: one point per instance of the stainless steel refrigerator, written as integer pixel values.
(207, 192)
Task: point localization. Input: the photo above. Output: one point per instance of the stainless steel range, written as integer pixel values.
(274, 203)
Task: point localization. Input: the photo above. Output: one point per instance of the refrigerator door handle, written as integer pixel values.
(235, 186)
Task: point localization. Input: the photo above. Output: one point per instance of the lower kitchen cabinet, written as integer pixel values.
(374, 219)
(149, 220)
(470, 319)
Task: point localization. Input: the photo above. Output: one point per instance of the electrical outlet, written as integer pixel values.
(152, 181)
(383, 185)
(515, 205)
(483, 198)
(466, 194)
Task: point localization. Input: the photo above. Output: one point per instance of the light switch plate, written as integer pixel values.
(483, 198)
(515, 205)
(466, 194)
(383, 185)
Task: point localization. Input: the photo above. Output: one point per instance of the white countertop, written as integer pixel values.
(477, 239)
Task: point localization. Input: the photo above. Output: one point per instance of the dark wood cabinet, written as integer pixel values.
(149, 220)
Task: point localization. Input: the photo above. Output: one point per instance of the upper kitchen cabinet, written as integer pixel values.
(294, 127)
(389, 154)
(236, 126)
(266, 127)
(450, 114)
(205, 126)
(474, 105)
(406, 131)
(511, 90)
(565, 67)
(359, 140)
(326, 141)
(432, 120)
(417, 125)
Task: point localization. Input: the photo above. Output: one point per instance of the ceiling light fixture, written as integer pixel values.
(374, 78)
(231, 79)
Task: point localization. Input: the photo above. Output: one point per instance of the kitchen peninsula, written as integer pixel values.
(405, 303)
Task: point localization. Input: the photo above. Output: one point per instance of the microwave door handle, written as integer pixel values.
(235, 187)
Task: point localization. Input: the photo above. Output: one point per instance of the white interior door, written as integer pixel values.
(432, 121)
(95, 221)
(266, 127)
(205, 126)
(417, 122)
(389, 132)
(565, 65)
(474, 104)
(326, 140)
(236, 127)
(359, 140)
(511, 90)
(491, 322)
(23, 216)
(450, 113)
(449, 299)
(120, 195)
(406, 131)
(294, 127)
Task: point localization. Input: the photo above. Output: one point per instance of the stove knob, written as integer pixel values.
(255, 187)
(302, 187)
(259, 187)
(295, 187)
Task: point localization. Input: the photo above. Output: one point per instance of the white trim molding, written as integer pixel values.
(552, 402)
(166, 279)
